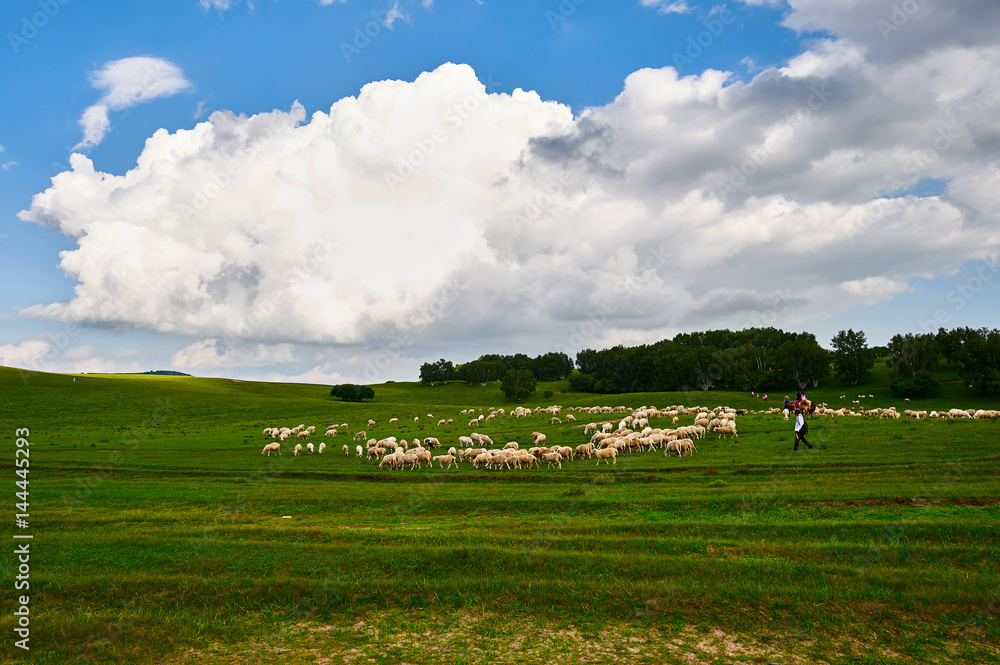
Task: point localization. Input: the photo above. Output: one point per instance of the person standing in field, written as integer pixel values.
(801, 429)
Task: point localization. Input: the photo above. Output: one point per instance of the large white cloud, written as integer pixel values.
(434, 211)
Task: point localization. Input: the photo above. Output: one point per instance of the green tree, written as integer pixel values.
(582, 383)
(804, 360)
(979, 360)
(909, 354)
(438, 372)
(922, 384)
(518, 384)
(852, 359)
(481, 371)
(551, 366)
(350, 392)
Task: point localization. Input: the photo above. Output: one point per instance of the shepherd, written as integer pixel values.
(801, 429)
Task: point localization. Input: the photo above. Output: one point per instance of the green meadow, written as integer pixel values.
(161, 535)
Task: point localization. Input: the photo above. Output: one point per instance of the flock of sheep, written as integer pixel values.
(632, 434)
(608, 439)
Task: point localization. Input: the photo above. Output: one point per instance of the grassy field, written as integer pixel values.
(161, 535)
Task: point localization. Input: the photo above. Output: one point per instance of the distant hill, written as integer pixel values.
(164, 372)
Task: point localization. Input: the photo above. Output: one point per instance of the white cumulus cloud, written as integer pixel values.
(125, 83)
(421, 215)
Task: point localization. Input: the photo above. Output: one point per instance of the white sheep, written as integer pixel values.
(346, 450)
(298, 449)
(359, 451)
(321, 448)
(361, 436)
(275, 447)
(310, 449)
(450, 459)
(552, 458)
(607, 454)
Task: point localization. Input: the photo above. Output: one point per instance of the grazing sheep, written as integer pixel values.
(441, 459)
(347, 451)
(556, 421)
(275, 447)
(322, 447)
(361, 436)
(539, 438)
(570, 418)
(359, 451)
(585, 450)
(309, 448)
(552, 458)
(607, 454)
(442, 422)
(388, 461)
(371, 423)
(298, 449)
(432, 442)
(466, 441)
(303, 434)
(566, 452)
(590, 428)
(416, 418)
(392, 420)
(451, 451)
(511, 445)
(526, 459)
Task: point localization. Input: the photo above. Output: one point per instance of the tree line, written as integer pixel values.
(754, 359)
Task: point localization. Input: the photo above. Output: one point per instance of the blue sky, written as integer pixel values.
(683, 132)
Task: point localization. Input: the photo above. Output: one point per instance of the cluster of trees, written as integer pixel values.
(751, 359)
(494, 367)
(975, 352)
(758, 359)
(350, 392)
